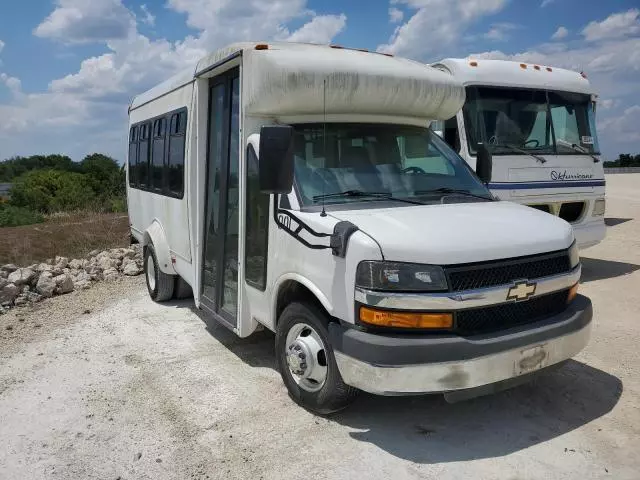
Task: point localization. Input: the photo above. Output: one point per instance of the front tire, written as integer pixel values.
(306, 360)
(159, 284)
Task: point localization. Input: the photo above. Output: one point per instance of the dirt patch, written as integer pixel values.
(67, 235)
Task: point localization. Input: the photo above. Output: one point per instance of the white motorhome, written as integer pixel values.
(298, 188)
(539, 123)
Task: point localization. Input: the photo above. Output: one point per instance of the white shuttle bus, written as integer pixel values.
(298, 188)
(539, 123)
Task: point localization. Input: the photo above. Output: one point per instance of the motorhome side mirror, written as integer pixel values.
(275, 165)
(484, 163)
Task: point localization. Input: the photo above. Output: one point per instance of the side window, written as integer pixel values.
(143, 155)
(451, 133)
(175, 164)
(133, 156)
(157, 154)
(257, 226)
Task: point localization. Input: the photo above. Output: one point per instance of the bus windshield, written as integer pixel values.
(536, 121)
(337, 163)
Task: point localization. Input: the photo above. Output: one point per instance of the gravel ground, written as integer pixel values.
(105, 384)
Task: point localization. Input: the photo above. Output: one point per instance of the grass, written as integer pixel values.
(69, 234)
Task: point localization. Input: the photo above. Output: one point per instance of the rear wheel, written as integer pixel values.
(159, 284)
(306, 361)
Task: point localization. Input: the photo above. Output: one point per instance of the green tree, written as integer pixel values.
(49, 191)
(105, 175)
(16, 166)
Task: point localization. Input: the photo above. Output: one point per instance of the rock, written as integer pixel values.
(21, 276)
(3, 282)
(110, 274)
(61, 262)
(64, 284)
(82, 280)
(21, 300)
(44, 267)
(46, 285)
(93, 253)
(9, 267)
(117, 253)
(132, 269)
(129, 253)
(26, 289)
(3, 310)
(105, 263)
(8, 293)
(77, 264)
(4, 274)
(33, 297)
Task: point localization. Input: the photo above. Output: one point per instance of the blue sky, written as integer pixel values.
(68, 68)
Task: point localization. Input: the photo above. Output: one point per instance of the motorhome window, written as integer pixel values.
(157, 154)
(143, 155)
(451, 133)
(175, 164)
(133, 156)
(532, 120)
(401, 161)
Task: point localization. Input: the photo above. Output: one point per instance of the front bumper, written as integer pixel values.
(412, 364)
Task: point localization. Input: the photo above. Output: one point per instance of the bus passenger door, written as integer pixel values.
(220, 265)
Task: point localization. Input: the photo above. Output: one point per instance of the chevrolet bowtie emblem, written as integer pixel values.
(521, 291)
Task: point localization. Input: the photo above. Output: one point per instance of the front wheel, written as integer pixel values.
(306, 361)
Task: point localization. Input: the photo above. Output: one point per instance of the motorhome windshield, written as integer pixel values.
(536, 121)
(339, 163)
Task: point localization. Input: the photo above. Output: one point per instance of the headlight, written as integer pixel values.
(574, 256)
(599, 207)
(375, 275)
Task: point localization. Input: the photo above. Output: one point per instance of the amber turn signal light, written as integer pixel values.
(382, 318)
(573, 292)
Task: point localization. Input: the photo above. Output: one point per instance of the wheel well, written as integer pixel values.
(291, 291)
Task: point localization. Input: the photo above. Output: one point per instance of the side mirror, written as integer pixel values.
(275, 165)
(484, 163)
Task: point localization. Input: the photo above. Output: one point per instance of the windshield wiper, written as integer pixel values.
(520, 150)
(457, 191)
(578, 148)
(362, 193)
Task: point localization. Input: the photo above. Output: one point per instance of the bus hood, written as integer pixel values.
(460, 233)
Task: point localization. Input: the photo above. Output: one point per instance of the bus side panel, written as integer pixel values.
(146, 207)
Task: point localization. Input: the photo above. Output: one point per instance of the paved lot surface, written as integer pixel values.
(135, 390)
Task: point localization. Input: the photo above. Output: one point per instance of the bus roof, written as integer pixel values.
(471, 71)
(289, 79)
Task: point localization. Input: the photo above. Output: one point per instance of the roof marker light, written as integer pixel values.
(387, 54)
(523, 65)
(262, 46)
(362, 50)
(536, 67)
(336, 46)
(549, 69)
(583, 75)
(473, 64)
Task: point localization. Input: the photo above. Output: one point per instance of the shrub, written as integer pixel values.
(11, 216)
(48, 191)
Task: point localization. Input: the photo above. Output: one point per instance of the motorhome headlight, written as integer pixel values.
(574, 256)
(599, 207)
(376, 275)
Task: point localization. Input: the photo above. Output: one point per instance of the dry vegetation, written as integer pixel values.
(66, 234)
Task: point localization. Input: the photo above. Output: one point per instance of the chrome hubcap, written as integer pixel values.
(306, 357)
(151, 273)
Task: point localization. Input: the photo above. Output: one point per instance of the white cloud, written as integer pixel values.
(500, 32)
(624, 127)
(608, 103)
(616, 25)
(561, 33)
(12, 83)
(321, 29)
(436, 25)
(395, 15)
(147, 17)
(87, 109)
(1, 45)
(546, 2)
(85, 21)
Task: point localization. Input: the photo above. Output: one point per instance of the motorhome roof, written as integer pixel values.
(472, 71)
(288, 79)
